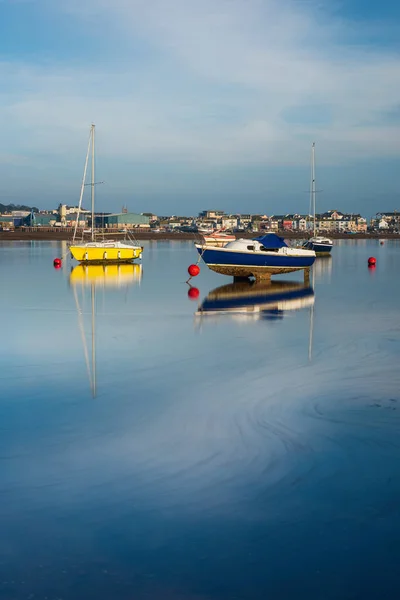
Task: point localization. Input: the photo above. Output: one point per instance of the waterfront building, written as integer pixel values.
(124, 220)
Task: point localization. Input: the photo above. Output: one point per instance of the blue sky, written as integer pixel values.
(210, 104)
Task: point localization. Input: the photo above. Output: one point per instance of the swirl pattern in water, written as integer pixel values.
(241, 445)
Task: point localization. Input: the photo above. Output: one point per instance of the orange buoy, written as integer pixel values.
(372, 261)
(193, 270)
(57, 262)
(193, 293)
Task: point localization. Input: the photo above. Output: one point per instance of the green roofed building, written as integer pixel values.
(126, 220)
(40, 220)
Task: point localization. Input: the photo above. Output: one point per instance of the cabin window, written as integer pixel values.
(263, 249)
(250, 247)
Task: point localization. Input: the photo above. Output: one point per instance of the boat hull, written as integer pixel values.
(258, 265)
(319, 249)
(102, 255)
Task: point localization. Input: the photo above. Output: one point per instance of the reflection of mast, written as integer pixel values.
(311, 319)
(93, 341)
(91, 372)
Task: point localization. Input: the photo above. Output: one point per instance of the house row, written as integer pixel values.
(387, 221)
(331, 221)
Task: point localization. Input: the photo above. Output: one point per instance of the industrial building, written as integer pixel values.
(125, 220)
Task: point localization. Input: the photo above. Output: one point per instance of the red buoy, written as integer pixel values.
(372, 261)
(57, 262)
(193, 270)
(193, 293)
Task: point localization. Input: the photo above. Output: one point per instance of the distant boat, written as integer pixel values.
(257, 300)
(104, 251)
(259, 258)
(219, 238)
(320, 244)
(205, 230)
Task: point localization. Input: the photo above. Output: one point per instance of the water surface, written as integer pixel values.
(244, 444)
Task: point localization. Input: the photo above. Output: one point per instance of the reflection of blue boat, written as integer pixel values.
(260, 258)
(259, 300)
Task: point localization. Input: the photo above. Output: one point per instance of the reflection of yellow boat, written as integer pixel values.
(262, 300)
(107, 275)
(85, 280)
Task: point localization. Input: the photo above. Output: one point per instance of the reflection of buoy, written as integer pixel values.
(372, 261)
(381, 243)
(193, 293)
(372, 267)
(193, 270)
(57, 262)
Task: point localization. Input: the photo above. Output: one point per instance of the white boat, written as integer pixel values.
(102, 251)
(205, 230)
(259, 258)
(219, 238)
(320, 244)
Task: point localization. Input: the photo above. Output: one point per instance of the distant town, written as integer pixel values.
(332, 221)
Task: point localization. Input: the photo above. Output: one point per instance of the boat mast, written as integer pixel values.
(313, 182)
(93, 182)
(82, 187)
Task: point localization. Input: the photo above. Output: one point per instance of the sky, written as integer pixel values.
(201, 104)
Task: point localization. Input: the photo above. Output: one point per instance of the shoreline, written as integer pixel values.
(29, 236)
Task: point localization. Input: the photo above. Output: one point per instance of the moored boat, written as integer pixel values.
(107, 251)
(218, 238)
(259, 258)
(100, 251)
(321, 245)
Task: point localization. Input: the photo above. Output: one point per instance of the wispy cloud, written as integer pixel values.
(217, 82)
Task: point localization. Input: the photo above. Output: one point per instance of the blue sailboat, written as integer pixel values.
(260, 257)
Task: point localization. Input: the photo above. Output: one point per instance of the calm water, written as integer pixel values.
(252, 453)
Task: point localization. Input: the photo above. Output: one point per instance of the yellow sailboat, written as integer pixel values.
(103, 251)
